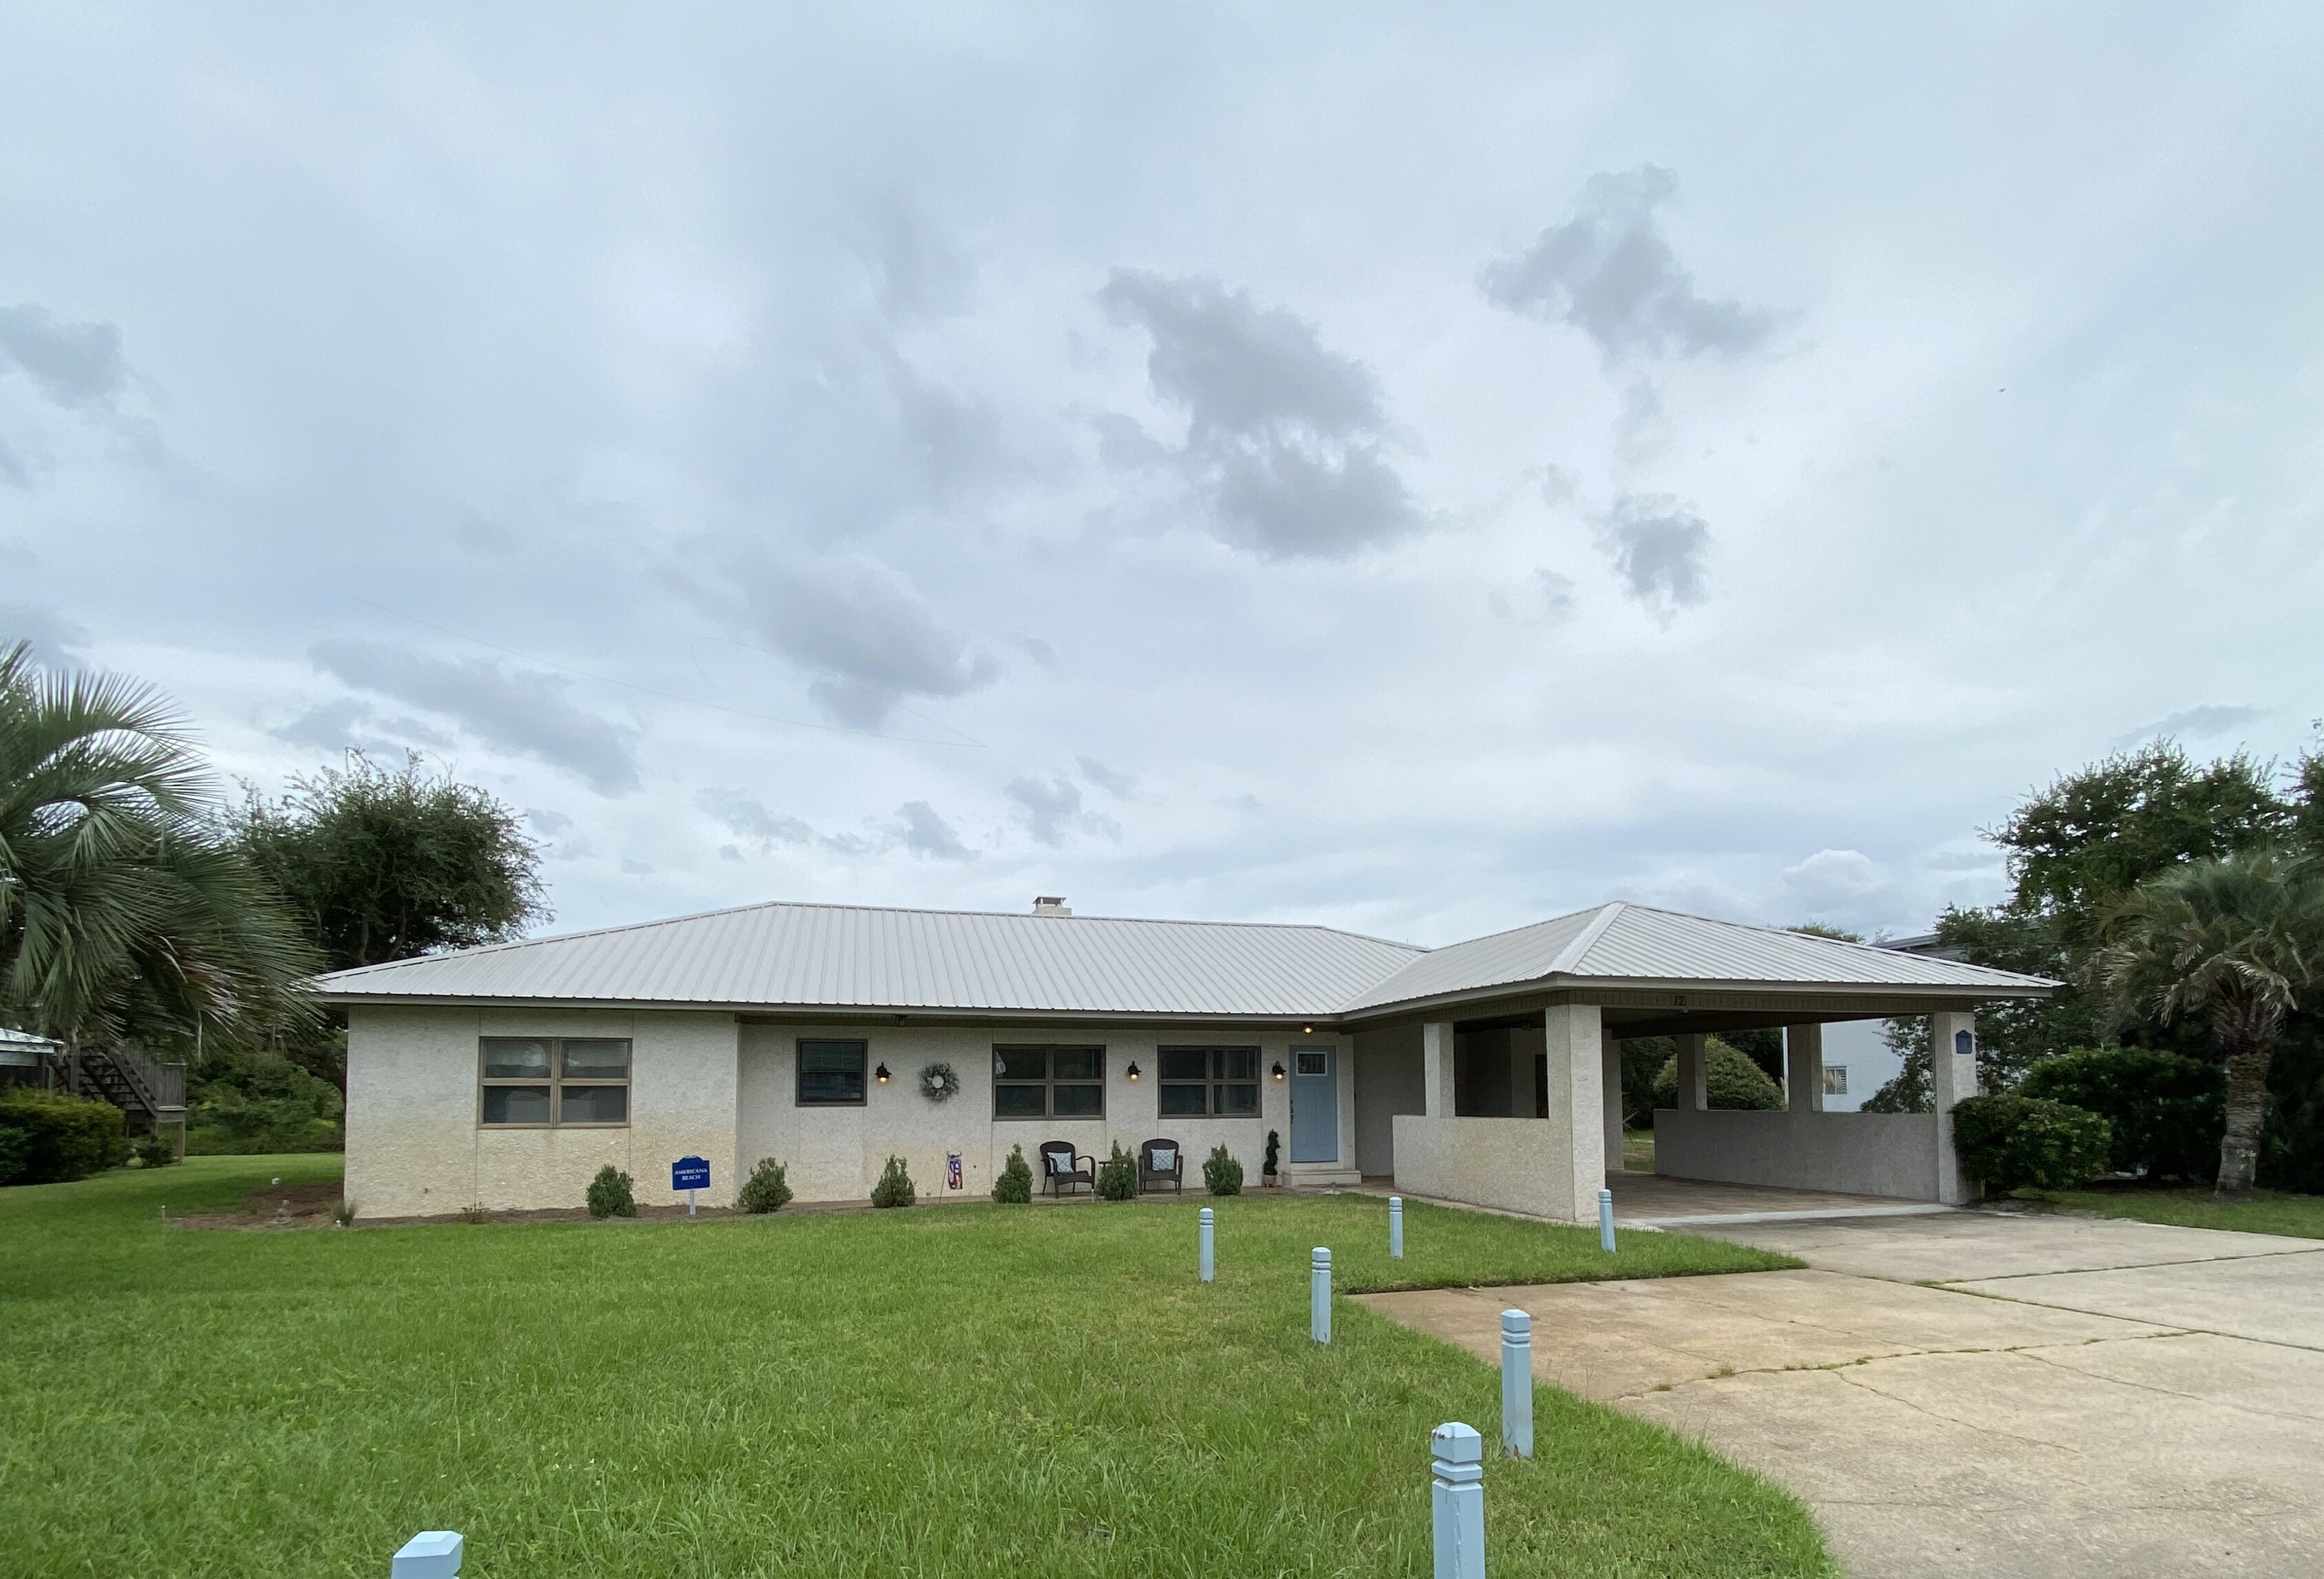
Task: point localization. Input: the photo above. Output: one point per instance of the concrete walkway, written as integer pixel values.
(2070, 1398)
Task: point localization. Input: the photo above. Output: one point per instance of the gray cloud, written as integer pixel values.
(1121, 786)
(522, 711)
(1283, 436)
(869, 634)
(1051, 809)
(352, 723)
(53, 635)
(1608, 273)
(920, 273)
(752, 820)
(78, 365)
(1557, 591)
(922, 832)
(2195, 723)
(1658, 547)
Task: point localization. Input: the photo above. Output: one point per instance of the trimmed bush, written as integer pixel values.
(609, 1194)
(2168, 1112)
(1014, 1188)
(1274, 1144)
(66, 1137)
(766, 1190)
(1117, 1177)
(1734, 1082)
(154, 1149)
(16, 1153)
(1221, 1174)
(895, 1185)
(2027, 1142)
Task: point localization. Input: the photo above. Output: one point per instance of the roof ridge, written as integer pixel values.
(1818, 938)
(1571, 955)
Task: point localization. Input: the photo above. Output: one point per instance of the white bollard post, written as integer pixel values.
(432, 1553)
(1319, 1296)
(1396, 1228)
(1458, 1498)
(1207, 1254)
(1606, 1220)
(1516, 1384)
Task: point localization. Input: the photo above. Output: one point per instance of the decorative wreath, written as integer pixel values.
(938, 1082)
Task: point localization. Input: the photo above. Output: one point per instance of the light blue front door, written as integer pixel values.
(1315, 1105)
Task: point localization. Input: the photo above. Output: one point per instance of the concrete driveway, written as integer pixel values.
(1977, 1394)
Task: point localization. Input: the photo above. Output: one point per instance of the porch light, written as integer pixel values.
(1278, 1071)
(880, 1073)
(1132, 1071)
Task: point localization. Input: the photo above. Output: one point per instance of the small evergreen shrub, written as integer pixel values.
(609, 1194)
(16, 1153)
(1736, 1083)
(1117, 1177)
(2027, 1142)
(344, 1214)
(1273, 1145)
(2168, 1112)
(154, 1151)
(895, 1185)
(66, 1137)
(766, 1190)
(477, 1211)
(1221, 1174)
(1014, 1188)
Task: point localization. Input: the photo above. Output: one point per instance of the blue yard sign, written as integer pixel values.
(690, 1173)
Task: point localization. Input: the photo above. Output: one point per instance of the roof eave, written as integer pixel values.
(823, 1012)
(2028, 987)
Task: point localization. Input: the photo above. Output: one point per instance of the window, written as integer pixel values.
(1048, 1083)
(830, 1074)
(539, 1081)
(1208, 1082)
(1835, 1080)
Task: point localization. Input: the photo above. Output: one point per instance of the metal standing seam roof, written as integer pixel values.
(841, 957)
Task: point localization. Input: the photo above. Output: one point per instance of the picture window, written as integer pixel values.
(1048, 1083)
(1208, 1083)
(535, 1081)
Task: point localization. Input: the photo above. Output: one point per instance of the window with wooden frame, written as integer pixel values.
(831, 1071)
(1208, 1083)
(554, 1082)
(1048, 1083)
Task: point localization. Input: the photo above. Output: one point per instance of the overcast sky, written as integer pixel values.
(1423, 470)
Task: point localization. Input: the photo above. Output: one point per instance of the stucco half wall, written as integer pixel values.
(1853, 1153)
(415, 1149)
(1517, 1165)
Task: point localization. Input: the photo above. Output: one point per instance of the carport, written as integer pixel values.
(1489, 1072)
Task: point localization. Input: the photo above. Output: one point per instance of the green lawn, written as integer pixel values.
(959, 1391)
(2266, 1212)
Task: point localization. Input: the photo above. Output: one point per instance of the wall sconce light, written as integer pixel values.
(1132, 1071)
(1278, 1071)
(1306, 1030)
(880, 1074)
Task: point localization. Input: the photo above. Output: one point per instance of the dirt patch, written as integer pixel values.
(299, 1205)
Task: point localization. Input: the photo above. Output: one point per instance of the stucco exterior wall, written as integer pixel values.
(414, 1147)
(835, 1153)
(1517, 1164)
(1850, 1153)
(1389, 1081)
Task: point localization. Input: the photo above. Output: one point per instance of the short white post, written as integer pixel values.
(1606, 1220)
(1396, 1228)
(689, 1203)
(1457, 1484)
(432, 1553)
(1516, 1384)
(1208, 1244)
(1319, 1296)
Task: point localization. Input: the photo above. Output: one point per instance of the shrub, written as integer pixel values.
(2027, 1142)
(1734, 1082)
(344, 1214)
(1117, 1177)
(16, 1153)
(477, 1211)
(895, 1185)
(609, 1194)
(1014, 1188)
(154, 1149)
(250, 1102)
(2168, 1112)
(1221, 1174)
(1273, 1145)
(66, 1137)
(766, 1190)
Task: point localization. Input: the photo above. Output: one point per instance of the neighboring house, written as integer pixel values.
(507, 1075)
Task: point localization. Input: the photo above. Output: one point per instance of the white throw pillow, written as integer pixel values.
(1166, 1158)
(1059, 1161)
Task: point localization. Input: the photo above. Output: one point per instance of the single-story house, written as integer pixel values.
(1486, 1072)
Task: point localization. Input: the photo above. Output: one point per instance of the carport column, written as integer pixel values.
(1693, 1072)
(1804, 1069)
(1577, 1107)
(1609, 1079)
(1953, 1076)
(1436, 1068)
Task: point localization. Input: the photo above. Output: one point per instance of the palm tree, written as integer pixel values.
(123, 911)
(2240, 940)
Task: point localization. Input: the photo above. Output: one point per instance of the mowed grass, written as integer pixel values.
(2265, 1211)
(963, 1391)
